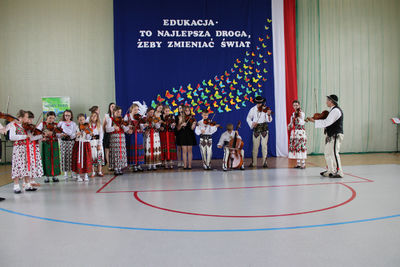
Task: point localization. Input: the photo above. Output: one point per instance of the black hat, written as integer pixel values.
(259, 99)
(334, 98)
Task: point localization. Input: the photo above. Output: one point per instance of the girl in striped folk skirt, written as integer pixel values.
(118, 159)
(67, 140)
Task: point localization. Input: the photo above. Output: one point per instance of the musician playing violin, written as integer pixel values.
(258, 118)
(186, 126)
(206, 128)
(167, 137)
(50, 147)
(333, 125)
(152, 137)
(82, 152)
(298, 137)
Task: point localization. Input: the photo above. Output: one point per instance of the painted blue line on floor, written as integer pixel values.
(201, 230)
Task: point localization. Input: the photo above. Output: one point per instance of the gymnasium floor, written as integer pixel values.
(258, 217)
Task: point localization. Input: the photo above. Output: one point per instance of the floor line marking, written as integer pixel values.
(104, 185)
(202, 230)
(353, 195)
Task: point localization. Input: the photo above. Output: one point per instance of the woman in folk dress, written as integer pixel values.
(298, 137)
(82, 153)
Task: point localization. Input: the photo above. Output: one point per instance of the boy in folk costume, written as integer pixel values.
(223, 143)
(37, 168)
(134, 135)
(82, 152)
(205, 131)
(152, 137)
(50, 149)
(118, 159)
(333, 125)
(23, 156)
(258, 121)
(67, 141)
(96, 144)
(167, 137)
(298, 137)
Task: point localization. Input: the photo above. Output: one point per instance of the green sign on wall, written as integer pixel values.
(58, 104)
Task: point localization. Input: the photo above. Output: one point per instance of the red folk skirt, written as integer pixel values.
(82, 157)
(168, 146)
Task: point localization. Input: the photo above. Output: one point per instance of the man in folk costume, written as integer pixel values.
(333, 125)
(258, 121)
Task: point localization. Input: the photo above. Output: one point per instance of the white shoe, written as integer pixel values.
(86, 178)
(17, 189)
(66, 175)
(80, 179)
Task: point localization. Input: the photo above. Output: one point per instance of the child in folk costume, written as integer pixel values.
(96, 144)
(167, 137)
(134, 135)
(50, 149)
(298, 138)
(118, 159)
(206, 131)
(106, 138)
(23, 156)
(67, 141)
(37, 168)
(82, 151)
(186, 125)
(152, 137)
(178, 137)
(3, 130)
(223, 143)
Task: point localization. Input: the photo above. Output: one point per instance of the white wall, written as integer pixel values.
(56, 48)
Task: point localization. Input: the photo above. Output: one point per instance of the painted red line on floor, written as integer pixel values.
(353, 195)
(365, 179)
(104, 186)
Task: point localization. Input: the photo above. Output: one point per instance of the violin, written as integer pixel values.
(153, 119)
(52, 127)
(31, 128)
(211, 123)
(140, 118)
(263, 108)
(85, 128)
(168, 120)
(7, 117)
(120, 121)
(235, 160)
(319, 116)
(190, 119)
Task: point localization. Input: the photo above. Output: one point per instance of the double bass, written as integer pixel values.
(235, 146)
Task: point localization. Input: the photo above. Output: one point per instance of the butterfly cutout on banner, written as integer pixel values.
(232, 90)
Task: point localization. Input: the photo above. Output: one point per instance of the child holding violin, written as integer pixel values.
(81, 152)
(23, 158)
(167, 137)
(106, 138)
(258, 118)
(67, 141)
(152, 137)
(223, 143)
(50, 148)
(117, 127)
(186, 126)
(178, 137)
(206, 128)
(134, 137)
(96, 144)
(298, 137)
(35, 136)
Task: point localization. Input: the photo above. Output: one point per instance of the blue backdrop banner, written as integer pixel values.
(214, 55)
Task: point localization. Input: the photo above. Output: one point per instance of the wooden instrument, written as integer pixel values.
(140, 118)
(52, 127)
(85, 128)
(32, 128)
(264, 108)
(235, 160)
(119, 121)
(211, 123)
(7, 117)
